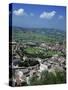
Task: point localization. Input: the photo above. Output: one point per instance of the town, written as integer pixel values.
(32, 58)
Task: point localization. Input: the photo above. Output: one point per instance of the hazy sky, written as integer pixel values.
(42, 16)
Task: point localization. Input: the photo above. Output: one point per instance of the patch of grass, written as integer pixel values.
(35, 51)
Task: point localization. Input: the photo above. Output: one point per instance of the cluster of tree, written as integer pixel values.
(28, 63)
(49, 78)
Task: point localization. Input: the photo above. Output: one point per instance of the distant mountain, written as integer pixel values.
(40, 30)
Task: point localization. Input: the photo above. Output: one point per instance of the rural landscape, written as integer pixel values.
(38, 53)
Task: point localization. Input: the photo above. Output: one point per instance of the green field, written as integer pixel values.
(37, 35)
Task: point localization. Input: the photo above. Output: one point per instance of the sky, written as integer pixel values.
(38, 16)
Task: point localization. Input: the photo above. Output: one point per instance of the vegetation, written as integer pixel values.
(37, 52)
(28, 63)
(49, 78)
(36, 34)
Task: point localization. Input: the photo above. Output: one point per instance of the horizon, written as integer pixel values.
(37, 28)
